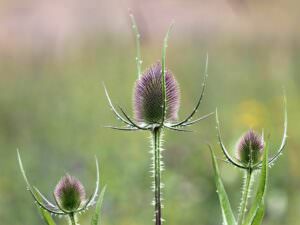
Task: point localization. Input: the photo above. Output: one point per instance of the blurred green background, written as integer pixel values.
(54, 57)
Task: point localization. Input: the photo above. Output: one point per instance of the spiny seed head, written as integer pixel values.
(250, 147)
(69, 193)
(148, 96)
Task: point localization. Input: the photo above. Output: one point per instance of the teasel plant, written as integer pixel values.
(69, 198)
(251, 158)
(156, 101)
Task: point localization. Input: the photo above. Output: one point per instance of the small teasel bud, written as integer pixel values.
(250, 148)
(148, 96)
(69, 193)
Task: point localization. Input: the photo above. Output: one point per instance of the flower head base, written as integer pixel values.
(69, 193)
(148, 96)
(250, 148)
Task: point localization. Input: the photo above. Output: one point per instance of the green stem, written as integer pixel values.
(157, 174)
(73, 219)
(245, 196)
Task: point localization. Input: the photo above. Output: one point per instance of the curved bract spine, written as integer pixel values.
(227, 155)
(50, 206)
(163, 75)
(190, 116)
(284, 138)
(138, 58)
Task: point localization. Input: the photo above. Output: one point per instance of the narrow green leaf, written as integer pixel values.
(255, 210)
(259, 215)
(45, 214)
(96, 215)
(227, 213)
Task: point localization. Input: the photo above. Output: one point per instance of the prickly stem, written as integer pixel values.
(156, 133)
(73, 219)
(245, 196)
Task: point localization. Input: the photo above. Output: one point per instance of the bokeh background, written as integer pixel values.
(54, 56)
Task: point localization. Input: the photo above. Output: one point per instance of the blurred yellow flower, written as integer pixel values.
(251, 113)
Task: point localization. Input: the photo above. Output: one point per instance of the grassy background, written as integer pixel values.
(53, 109)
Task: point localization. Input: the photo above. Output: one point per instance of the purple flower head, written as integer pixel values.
(69, 193)
(148, 96)
(250, 148)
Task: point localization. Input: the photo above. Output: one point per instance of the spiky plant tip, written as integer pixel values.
(148, 96)
(69, 193)
(250, 148)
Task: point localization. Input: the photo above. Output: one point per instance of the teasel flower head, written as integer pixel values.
(148, 96)
(156, 100)
(156, 96)
(250, 148)
(69, 193)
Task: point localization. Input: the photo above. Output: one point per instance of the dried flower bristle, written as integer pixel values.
(250, 148)
(69, 192)
(148, 96)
